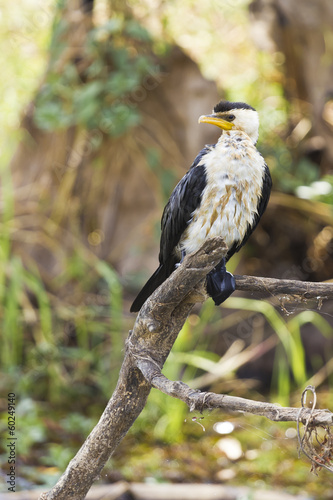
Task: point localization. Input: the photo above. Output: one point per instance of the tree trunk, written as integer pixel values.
(302, 32)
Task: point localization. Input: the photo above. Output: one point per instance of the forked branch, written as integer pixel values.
(147, 347)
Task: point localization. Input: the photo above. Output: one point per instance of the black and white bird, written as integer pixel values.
(224, 193)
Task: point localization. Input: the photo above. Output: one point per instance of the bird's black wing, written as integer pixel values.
(262, 204)
(184, 200)
(177, 214)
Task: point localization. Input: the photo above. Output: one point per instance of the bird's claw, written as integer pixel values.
(220, 285)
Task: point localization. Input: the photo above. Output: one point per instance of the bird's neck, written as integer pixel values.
(234, 133)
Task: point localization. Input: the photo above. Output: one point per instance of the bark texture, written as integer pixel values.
(148, 345)
(154, 333)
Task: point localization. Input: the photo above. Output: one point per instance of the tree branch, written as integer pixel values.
(154, 332)
(200, 401)
(306, 289)
(147, 347)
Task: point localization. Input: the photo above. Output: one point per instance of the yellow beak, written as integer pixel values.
(216, 120)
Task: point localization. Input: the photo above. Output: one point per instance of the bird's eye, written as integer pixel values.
(231, 117)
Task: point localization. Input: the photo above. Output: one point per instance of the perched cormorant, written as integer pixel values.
(224, 193)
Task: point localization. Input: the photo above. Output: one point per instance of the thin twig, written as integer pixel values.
(309, 428)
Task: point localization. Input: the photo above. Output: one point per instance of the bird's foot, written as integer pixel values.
(220, 285)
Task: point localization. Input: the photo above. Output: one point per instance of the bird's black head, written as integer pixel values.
(234, 116)
(224, 106)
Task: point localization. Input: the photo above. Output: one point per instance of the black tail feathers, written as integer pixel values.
(160, 275)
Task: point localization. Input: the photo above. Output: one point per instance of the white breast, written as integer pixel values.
(234, 170)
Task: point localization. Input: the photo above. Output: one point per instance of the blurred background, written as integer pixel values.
(99, 109)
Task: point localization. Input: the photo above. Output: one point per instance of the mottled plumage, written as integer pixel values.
(224, 193)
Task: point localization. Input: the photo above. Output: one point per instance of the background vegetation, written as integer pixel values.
(98, 123)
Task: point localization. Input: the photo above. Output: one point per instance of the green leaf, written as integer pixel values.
(136, 30)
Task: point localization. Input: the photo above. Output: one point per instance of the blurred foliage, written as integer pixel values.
(25, 35)
(268, 459)
(63, 360)
(100, 97)
(217, 34)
